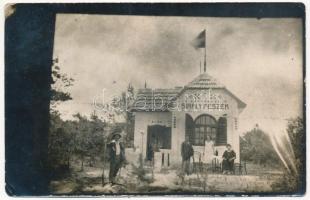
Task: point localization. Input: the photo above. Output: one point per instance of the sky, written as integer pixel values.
(258, 60)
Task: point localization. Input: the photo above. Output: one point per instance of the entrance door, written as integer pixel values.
(158, 137)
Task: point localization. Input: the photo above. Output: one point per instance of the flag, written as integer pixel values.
(200, 40)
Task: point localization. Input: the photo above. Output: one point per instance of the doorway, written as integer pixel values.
(158, 137)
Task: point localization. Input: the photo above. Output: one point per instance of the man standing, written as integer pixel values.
(116, 154)
(187, 152)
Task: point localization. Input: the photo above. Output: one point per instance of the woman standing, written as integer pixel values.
(209, 150)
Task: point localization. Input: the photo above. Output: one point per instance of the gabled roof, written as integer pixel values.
(158, 99)
(204, 81)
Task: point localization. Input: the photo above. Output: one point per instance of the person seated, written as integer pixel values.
(229, 157)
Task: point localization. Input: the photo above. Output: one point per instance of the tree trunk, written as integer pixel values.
(104, 162)
(68, 162)
(82, 164)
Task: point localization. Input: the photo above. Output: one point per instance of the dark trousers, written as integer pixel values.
(186, 166)
(115, 165)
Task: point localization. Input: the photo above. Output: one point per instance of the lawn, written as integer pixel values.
(89, 181)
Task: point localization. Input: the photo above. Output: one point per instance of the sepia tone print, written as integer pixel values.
(176, 105)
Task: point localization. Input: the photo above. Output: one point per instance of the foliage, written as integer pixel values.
(295, 130)
(60, 82)
(89, 138)
(291, 182)
(82, 137)
(140, 171)
(60, 132)
(59, 138)
(256, 147)
(122, 105)
(130, 119)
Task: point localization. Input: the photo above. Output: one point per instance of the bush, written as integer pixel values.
(140, 171)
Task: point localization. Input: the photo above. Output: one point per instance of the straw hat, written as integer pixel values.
(116, 131)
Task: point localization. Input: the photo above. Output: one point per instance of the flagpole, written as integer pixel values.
(205, 61)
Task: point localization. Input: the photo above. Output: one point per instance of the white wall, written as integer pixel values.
(178, 135)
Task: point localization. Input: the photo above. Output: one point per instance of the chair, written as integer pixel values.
(197, 162)
(216, 166)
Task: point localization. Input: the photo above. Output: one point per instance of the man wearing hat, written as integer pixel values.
(116, 154)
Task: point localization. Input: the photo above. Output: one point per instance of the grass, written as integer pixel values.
(89, 182)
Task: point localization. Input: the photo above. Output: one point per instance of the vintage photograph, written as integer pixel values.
(176, 105)
(154, 99)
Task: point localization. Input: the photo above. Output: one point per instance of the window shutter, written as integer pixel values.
(221, 138)
(190, 128)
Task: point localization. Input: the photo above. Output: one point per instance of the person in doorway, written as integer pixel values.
(116, 154)
(229, 157)
(209, 150)
(187, 152)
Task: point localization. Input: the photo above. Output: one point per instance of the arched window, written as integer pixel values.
(221, 138)
(205, 125)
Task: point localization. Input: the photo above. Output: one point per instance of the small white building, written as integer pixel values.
(204, 107)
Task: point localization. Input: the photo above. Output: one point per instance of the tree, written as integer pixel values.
(90, 139)
(60, 144)
(256, 147)
(294, 182)
(124, 103)
(98, 138)
(295, 130)
(81, 139)
(60, 82)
